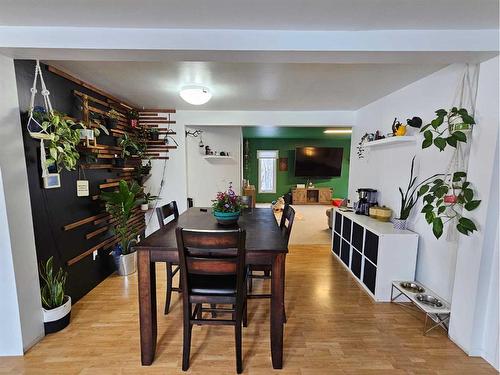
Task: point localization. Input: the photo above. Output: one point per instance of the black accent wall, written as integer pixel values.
(54, 208)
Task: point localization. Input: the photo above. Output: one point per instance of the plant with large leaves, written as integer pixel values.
(52, 291)
(120, 204)
(445, 201)
(447, 128)
(64, 136)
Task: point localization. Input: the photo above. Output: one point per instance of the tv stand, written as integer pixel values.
(320, 195)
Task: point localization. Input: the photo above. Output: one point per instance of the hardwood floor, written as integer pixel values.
(333, 328)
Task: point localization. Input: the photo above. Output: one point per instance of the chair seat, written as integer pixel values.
(220, 285)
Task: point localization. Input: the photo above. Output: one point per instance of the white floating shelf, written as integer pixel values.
(391, 140)
(216, 157)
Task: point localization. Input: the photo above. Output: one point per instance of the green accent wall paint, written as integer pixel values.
(287, 180)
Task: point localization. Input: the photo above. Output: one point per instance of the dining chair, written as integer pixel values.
(286, 224)
(213, 272)
(169, 212)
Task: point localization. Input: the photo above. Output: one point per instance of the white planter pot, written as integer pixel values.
(126, 264)
(56, 319)
(399, 223)
(144, 207)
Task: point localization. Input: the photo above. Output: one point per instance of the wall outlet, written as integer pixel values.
(94, 254)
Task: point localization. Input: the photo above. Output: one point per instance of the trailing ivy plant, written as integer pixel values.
(445, 201)
(446, 128)
(64, 136)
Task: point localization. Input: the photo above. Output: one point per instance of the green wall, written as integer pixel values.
(287, 180)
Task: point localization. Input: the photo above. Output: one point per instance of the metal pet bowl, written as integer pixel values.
(429, 300)
(412, 287)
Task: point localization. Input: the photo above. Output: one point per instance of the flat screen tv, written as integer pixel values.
(318, 161)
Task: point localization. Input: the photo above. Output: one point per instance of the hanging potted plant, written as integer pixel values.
(56, 306)
(111, 117)
(133, 117)
(448, 128)
(445, 200)
(129, 148)
(227, 206)
(154, 134)
(120, 205)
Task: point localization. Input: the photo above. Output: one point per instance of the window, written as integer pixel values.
(267, 170)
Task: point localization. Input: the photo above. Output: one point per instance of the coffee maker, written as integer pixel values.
(367, 198)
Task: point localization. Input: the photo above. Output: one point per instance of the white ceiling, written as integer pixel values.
(255, 14)
(250, 86)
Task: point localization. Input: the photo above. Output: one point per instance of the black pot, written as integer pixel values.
(111, 122)
(57, 325)
(119, 163)
(154, 136)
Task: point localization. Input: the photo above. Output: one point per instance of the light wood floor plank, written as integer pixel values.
(333, 328)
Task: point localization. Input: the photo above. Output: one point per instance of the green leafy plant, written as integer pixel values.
(148, 198)
(64, 136)
(446, 128)
(410, 196)
(120, 204)
(445, 201)
(129, 146)
(52, 290)
(133, 114)
(101, 127)
(113, 114)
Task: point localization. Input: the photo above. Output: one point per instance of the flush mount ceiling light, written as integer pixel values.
(338, 131)
(195, 95)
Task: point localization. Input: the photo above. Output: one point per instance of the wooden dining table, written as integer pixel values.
(264, 246)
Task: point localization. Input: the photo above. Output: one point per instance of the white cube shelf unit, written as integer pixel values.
(374, 252)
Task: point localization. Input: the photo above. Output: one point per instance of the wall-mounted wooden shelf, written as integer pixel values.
(216, 157)
(391, 140)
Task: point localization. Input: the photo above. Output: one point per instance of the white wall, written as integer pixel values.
(472, 308)
(385, 169)
(206, 177)
(462, 276)
(18, 262)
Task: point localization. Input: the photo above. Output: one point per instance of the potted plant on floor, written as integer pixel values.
(56, 306)
(120, 205)
(227, 207)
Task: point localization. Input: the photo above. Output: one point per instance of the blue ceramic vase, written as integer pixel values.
(226, 218)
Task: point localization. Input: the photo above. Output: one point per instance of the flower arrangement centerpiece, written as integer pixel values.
(227, 206)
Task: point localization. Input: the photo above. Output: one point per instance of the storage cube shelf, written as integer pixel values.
(374, 252)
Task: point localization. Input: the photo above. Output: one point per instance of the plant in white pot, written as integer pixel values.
(120, 205)
(148, 201)
(409, 198)
(56, 306)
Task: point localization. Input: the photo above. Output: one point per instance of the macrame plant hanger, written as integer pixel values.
(35, 129)
(465, 97)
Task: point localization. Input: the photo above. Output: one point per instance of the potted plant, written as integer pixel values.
(133, 117)
(226, 207)
(154, 134)
(120, 205)
(129, 147)
(62, 137)
(448, 128)
(409, 198)
(111, 118)
(56, 306)
(148, 201)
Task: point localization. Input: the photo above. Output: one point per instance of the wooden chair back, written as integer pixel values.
(286, 222)
(166, 211)
(212, 252)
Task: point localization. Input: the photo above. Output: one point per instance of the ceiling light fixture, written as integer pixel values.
(195, 95)
(338, 131)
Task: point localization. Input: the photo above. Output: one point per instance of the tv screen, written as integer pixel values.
(318, 161)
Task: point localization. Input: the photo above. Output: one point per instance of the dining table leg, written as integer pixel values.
(277, 310)
(147, 306)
